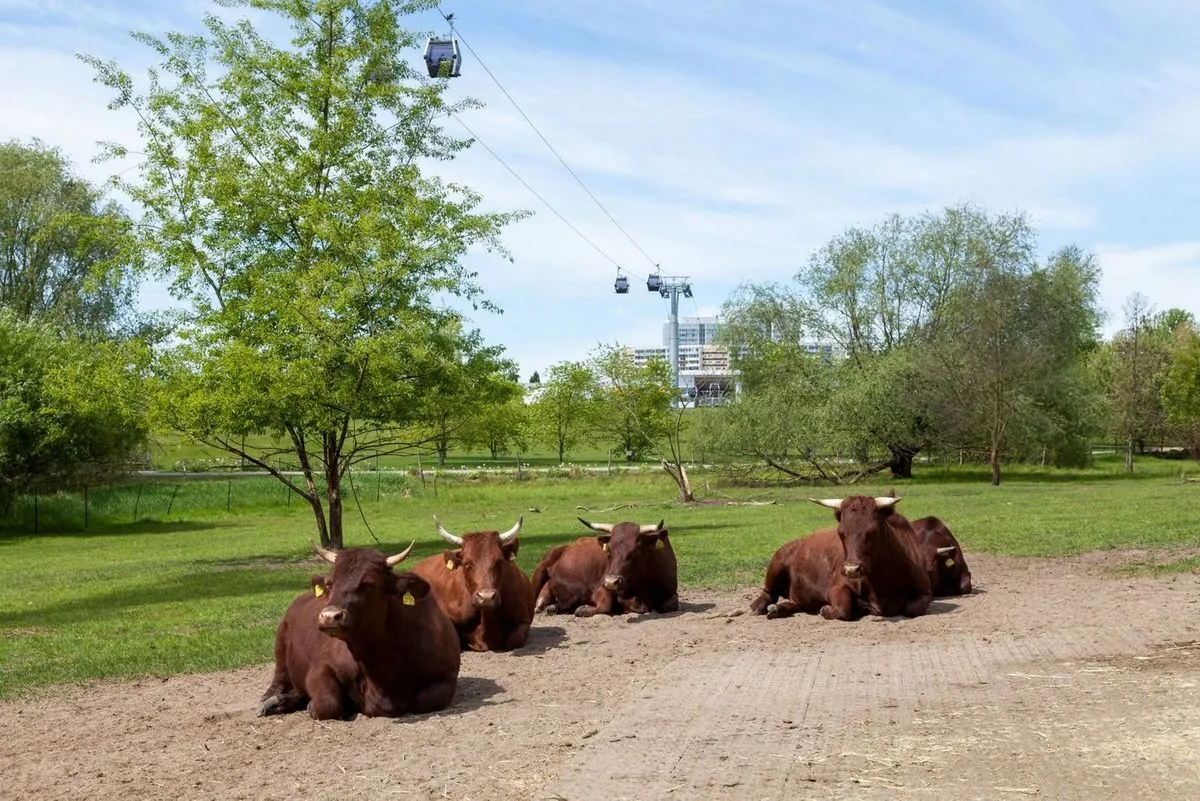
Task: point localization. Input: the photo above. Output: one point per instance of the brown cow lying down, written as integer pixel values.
(944, 560)
(481, 589)
(365, 640)
(870, 564)
(626, 567)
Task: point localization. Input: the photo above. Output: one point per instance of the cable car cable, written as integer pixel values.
(578, 180)
(535, 193)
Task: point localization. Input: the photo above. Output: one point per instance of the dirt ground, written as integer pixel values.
(1056, 679)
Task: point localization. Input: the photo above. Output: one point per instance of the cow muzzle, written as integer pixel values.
(613, 582)
(332, 620)
(486, 599)
(852, 570)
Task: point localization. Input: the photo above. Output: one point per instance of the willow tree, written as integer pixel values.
(287, 197)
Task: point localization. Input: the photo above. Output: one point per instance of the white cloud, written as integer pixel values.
(732, 141)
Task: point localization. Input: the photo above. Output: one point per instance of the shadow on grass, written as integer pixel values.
(193, 587)
(140, 528)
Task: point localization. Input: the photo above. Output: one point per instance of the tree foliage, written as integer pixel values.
(1181, 388)
(564, 412)
(288, 200)
(70, 410)
(65, 255)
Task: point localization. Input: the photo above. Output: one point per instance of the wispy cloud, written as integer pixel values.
(731, 140)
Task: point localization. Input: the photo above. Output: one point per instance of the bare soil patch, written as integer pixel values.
(1056, 679)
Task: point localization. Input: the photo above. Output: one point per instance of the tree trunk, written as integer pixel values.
(994, 461)
(310, 485)
(679, 475)
(1129, 454)
(333, 489)
(441, 452)
(901, 462)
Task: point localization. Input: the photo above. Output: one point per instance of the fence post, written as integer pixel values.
(85, 506)
(171, 502)
(137, 502)
(229, 495)
(35, 512)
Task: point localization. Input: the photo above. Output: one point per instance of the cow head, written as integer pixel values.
(361, 588)
(481, 556)
(629, 547)
(860, 520)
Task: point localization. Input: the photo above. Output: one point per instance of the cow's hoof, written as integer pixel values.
(550, 609)
(585, 611)
(828, 613)
(269, 706)
(772, 611)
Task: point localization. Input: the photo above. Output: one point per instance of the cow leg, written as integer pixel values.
(517, 637)
(964, 584)
(785, 608)
(918, 606)
(759, 605)
(602, 604)
(671, 604)
(841, 604)
(545, 601)
(435, 696)
(281, 703)
(326, 696)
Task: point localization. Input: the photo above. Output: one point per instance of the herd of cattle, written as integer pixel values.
(369, 640)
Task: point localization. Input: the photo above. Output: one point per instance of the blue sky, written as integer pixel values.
(731, 139)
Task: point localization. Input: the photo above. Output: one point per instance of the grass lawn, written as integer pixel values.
(184, 585)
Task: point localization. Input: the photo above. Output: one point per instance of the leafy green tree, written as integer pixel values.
(564, 413)
(535, 378)
(1131, 368)
(499, 427)
(71, 411)
(1181, 388)
(467, 390)
(65, 254)
(286, 197)
(1010, 340)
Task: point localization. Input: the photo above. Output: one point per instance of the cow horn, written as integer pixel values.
(949, 549)
(326, 554)
(886, 502)
(446, 535)
(512, 533)
(604, 527)
(392, 561)
(832, 503)
(650, 529)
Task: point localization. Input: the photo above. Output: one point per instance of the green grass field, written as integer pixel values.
(165, 580)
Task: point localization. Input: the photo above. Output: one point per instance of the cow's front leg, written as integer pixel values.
(435, 696)
(918, 606)
(671, 604)
(325, 693)
(785, 607)
(841, 603)
(602, 603)
(517, 637)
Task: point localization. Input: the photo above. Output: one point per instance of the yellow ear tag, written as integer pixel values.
(659, 544)
(409, 600)
(318, 590)
(604, 546)
(449, 564)
(950, 562)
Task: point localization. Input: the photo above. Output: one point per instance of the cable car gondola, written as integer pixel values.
(439, 51)
(654, 283)
(621, 285)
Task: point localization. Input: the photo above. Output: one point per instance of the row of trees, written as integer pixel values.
(955, 338)
(285, 194)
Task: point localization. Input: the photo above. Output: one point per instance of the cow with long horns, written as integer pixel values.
(870, 564)
(364, 639)
(480, 587)
(626, 567)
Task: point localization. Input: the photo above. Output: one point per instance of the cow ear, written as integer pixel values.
(655, 538)
(509, 549)
(320, 585)
(411, 584)
(453, 558)
(603, 538)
